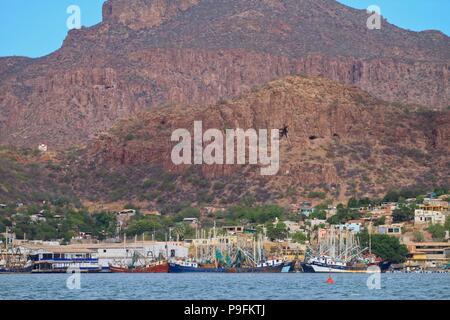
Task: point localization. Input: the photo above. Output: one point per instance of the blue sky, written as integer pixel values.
(35, 28)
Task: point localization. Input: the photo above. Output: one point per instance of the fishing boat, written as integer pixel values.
(157, 267)
(12, 260)
(141, 264)
(340, 252)
(241, 254)
(270, 266)
(328, 264)
(191, 266)
(22, 267)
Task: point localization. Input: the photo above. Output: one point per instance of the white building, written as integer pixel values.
(38, 217)
(429, 217)
(123, 254)
(393, 229)
(354, 227)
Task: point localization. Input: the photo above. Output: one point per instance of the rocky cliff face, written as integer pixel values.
(342, 141)
(143, 14)
(189, 52)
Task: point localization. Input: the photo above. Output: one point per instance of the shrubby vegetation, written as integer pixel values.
(276, 231)
(343, 215)
(405, 212)
(438, 231)
(386, 247)
(299, 237)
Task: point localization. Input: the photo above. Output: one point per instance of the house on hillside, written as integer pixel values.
(39, 217)
(193, 222)
(429, 217)
(433, 211)
(391, 230)
(306, 208)
(123, 217)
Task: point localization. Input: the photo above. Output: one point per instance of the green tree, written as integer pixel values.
(187, 212)
(184, 231)
(343, 215)
(104, 225)
(437, 231)
(386, 247)
(142, 226)
(299, 237)
(447, 223)
(418, 236)
(391, 196)
(276, 231)
(318, 214)
(353, 203)
(404, 213)
(380, 221)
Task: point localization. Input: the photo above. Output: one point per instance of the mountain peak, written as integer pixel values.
(150, 53)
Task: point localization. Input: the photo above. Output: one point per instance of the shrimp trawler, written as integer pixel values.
(12, 260)
(340, 251)
(230, 254)
(141, 264)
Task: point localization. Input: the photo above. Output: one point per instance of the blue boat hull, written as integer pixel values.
(282, 268)
(176, 268)
(23, 270)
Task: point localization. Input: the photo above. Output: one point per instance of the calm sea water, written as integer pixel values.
(295, 286)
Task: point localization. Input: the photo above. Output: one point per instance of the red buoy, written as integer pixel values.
(330, 280)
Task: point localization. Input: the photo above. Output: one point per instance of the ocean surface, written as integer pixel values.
(204, 286)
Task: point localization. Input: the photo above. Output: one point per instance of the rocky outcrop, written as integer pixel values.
(149, 54)
(144, 13)
(341, 140)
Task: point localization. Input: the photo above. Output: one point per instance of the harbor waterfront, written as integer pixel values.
(216, 286)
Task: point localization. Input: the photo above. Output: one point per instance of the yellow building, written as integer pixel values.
(428, 254)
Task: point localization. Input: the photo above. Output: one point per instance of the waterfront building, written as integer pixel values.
(427, 255)
(61, 258)
(109, 253)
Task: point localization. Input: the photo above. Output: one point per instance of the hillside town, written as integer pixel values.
(415, 229)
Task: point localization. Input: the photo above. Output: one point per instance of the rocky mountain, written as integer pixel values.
(342, 142)
(148, 54)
